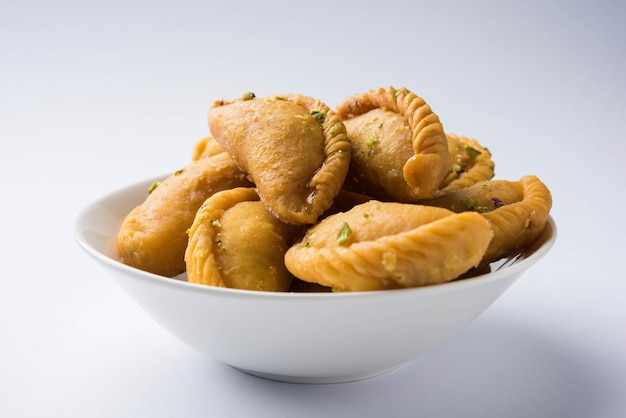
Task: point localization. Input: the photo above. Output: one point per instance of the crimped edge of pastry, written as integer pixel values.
(470, 163)
(440, 248)
(202, 266)
(429, 165)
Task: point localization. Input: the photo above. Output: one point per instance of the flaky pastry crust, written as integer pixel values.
(206, 147)
(293, 147)
(385, 245)
(470, 163)
(517, 211)
(517, 225)
(235, 242)
(400, 147)
(153, 235)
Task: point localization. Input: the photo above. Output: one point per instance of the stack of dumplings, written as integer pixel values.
(287, 194)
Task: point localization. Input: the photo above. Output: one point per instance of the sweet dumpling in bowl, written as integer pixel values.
(400, 151)
(235, 242)
(516, 210)
(153, 236)
(293, 147)
(470, 163)
(386, 245)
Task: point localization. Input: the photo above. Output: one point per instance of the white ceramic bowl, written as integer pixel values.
(300, 337)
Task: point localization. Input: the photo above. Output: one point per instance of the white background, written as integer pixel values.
(98, 94)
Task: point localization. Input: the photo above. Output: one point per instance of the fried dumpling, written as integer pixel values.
(153, 236)
(516, 210)
(518, 224)
(400, 150)
(293, 147)
(385, 245)
(470, 163)
(235, 242)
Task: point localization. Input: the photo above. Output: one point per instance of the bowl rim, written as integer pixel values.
(534, 253)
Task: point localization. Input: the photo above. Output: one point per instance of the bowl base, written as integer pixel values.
(316, 380)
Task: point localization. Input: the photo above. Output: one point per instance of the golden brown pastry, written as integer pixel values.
(389, 199)
(516, 210)
(206, 147)
(153, 236)
(385, 245)
(400, 150)
(518, 224)
(235, 242)
(470, 163)
(293, 147)
(481, 197)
